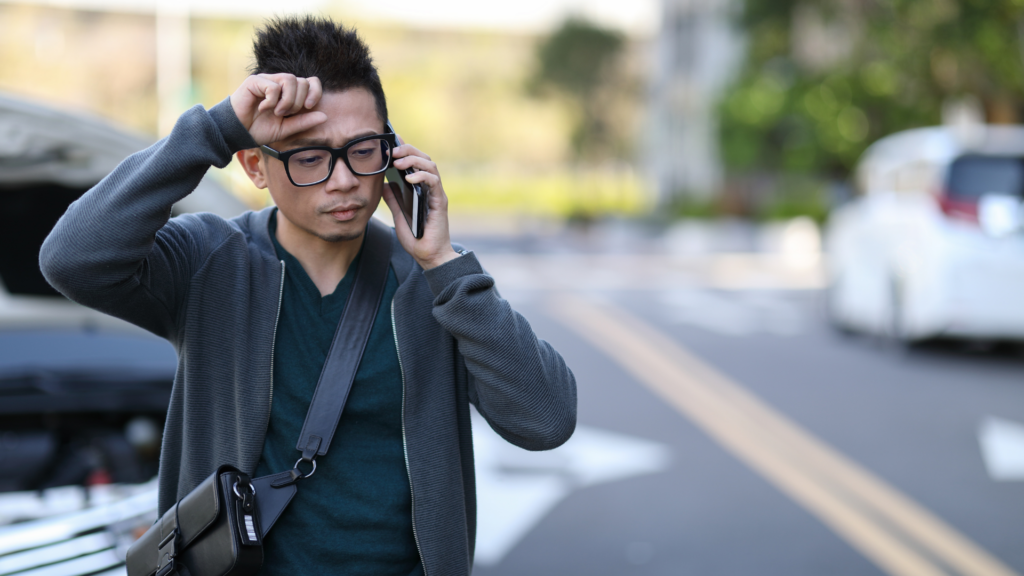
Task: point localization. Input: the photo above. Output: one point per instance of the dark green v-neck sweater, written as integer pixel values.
(353, 516)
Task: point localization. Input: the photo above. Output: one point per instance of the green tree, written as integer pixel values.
(891, 65)
(581, 62)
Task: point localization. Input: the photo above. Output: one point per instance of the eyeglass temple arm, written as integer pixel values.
(273, 153)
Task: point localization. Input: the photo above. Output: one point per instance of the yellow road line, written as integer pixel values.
(895, 533)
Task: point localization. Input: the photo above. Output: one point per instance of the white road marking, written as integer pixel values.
(733, 313)
(1002, 447)
(516, 488)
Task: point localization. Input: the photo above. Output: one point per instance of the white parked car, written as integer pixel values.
(932, 246)
(82, 395)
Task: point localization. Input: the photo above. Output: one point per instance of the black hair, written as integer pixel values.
(315, 46)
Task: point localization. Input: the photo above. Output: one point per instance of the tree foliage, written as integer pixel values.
(825, 78)
(579, 61)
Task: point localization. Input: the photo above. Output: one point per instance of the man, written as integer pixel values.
(251, 306)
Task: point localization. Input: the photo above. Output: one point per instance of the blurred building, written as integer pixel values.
(696, 54)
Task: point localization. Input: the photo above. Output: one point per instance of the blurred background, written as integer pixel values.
(778, 242)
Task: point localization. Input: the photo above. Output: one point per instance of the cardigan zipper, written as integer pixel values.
(273, 345)
(405, 447)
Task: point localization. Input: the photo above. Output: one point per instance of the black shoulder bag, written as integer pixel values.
(217, 529)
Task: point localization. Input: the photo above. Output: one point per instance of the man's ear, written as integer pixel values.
(250, 161)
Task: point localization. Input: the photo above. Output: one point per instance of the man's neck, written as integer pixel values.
(324, 262)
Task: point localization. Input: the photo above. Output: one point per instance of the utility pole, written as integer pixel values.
(173, 62)
(696, 53)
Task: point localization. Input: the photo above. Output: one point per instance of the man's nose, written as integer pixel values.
(342, 179)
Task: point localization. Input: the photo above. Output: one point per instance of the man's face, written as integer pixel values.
(339, 208)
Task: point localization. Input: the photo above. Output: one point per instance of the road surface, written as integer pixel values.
(725, 428)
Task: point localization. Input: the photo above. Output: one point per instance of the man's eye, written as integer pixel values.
(307, 161)
(362, 152)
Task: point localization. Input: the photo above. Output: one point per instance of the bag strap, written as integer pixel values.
(339, 371)
(276, 491)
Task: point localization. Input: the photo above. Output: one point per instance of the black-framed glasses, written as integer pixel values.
(311, 165)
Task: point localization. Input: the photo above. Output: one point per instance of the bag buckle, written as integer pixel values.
(246, 510)
(252, 490)
(166, 552)
(166, 569)
(309, 454)
(301, 474)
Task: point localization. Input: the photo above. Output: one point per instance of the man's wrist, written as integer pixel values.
(438, 260)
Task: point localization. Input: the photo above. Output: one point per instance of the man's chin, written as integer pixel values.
(341, 237)
(352, 231)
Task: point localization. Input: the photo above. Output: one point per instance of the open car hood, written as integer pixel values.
(43, 145)
(48, 158)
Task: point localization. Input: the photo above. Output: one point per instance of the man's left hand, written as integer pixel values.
(435, 247)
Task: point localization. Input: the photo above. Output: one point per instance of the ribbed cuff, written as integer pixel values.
(235, 135)
(440, 277)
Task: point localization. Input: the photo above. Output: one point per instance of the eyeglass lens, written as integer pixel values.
(366, 157)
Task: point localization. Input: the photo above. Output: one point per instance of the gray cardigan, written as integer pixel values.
(212, 287)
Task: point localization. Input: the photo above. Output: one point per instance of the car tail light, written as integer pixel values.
(964, 210)
(99, 477)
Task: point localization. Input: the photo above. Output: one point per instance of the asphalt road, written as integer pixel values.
(725, 429)
(729, 430)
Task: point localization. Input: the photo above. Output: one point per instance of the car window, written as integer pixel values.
(972, 176)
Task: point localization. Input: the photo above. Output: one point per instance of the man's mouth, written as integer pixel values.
(343, 213)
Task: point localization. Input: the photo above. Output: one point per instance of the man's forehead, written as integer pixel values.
(297, 141)
(350, 114)
(357, 102)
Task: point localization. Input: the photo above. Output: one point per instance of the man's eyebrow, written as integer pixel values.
(307, 142)
(301, 142)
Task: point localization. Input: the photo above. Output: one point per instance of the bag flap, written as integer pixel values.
(199, 508)
(193, 514)
(143, 555)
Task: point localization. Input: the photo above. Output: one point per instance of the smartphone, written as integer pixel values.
(411, 197)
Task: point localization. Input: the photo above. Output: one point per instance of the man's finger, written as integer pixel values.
(288, 89)
(418, 162)
(271, 95)
(302, 89)
(423, 177)
(315, 92)
(299, 122)
(410, 150)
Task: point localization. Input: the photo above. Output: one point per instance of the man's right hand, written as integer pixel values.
(270, 106)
